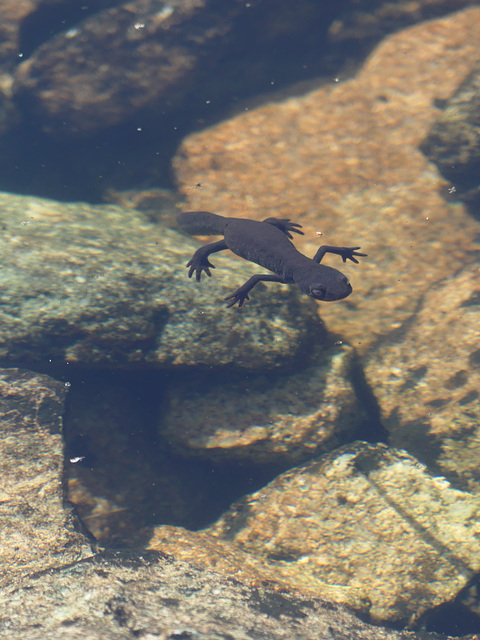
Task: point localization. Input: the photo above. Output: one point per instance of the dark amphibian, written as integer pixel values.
(268, 244)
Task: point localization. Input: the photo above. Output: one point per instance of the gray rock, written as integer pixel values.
(123, 595)
(426, 378)
(38, 532)
(119, 60)
(265, 418)
(101, 285)
(453, 143)
(368, 517)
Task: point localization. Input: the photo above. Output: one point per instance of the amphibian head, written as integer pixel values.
(324, 283)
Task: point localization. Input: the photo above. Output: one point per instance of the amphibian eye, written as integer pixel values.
(318, 293)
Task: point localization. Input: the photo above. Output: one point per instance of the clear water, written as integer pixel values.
(124, 471)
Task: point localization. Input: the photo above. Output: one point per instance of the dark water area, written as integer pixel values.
(248, 68)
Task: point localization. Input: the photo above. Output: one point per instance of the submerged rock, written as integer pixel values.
(38, 531)
(119, 60)
(366, 517)
(124, 595)
(426, 379)
(103, 286)
(53, 587)
(453, 142)
(151, 59)
(265, 418)
(226, 558)
(344, 161)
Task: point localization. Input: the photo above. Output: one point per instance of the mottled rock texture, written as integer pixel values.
(344, 160)
(52, 586)
(101, 285)
(123, 595)
(426, 378)
(111, 60)
(366, 517)
(265, 418)
(149, 56)
(207, 551)
(37, 532)
(105, 91)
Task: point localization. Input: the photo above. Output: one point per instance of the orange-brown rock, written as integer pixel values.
(344, 161)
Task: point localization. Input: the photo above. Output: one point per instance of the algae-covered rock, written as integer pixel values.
(99, 285)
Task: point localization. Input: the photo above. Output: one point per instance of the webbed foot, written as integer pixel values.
(240, 295)
(349, 253)
(198, 264)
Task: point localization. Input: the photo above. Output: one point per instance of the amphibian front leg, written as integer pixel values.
(200, 261)
(347, 253)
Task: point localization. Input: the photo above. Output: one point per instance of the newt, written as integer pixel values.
(268, 244)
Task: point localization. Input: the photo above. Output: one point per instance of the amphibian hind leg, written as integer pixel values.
(200, 261)
(285, 225)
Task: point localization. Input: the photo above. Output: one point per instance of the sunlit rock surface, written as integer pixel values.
(225, 557)
(117, 596)
(38, 532)
(53, 587)
(366, 517)
(344, 160)
(426, 379)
